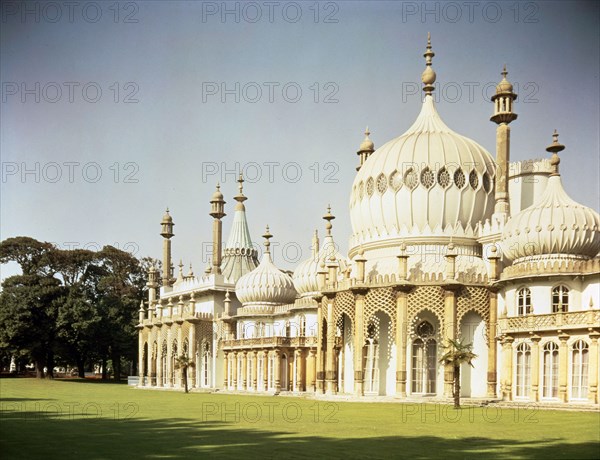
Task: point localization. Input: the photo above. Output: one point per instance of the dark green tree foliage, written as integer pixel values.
(78, 305)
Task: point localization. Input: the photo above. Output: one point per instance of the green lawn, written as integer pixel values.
(82, 419)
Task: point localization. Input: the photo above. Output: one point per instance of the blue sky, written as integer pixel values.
(121, 109)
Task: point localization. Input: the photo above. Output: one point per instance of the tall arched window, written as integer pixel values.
(579, 384)
(560, 299)
(523, 370)
(205, 365)
(372, 360)
(163, 359)
(523, 302)
(424, 359)
(302, 332)
(260, 372)
(550, 370)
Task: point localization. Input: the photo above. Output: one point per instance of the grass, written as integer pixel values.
(82, 419)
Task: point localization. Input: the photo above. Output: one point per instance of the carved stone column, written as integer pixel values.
(277, 370)
(492, 346)
(330, 370)
(244, 378)
(507, 368)
(299, 360)
(254, 370)
(535, 367)
(563, 367)
(225, 370)
(401, 338)
(593, 378)
(359, 340)
(234, 371)
(449, 332)
(320, 375)
(311, 371)
(193, 353)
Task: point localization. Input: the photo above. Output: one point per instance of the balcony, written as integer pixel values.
(270, 342)
(549, 322)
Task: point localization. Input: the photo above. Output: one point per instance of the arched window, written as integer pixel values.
(523, 302)
(579, 384)
(288, 329)
(205, 364)
(260, 377)
(560, 299)
(372, 359)
(523, 370)
(163, 359)
(302, 332)
(424, 359)
(550, 370)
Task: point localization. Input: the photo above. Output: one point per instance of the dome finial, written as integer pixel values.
(240, 197)
(428, 75)
(554, 148)
(267, 236)
(328, 217)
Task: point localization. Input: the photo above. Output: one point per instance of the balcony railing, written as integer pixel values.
(271, 342)
(549, 322)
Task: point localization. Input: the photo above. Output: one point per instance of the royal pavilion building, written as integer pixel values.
(448, 242)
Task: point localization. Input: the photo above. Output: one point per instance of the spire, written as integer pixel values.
(554, 148)
(328, 217)
(428, 75)
(240, 255)
(267, 236)
(240, 197)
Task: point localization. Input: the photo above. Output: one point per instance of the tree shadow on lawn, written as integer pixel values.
(100, 438)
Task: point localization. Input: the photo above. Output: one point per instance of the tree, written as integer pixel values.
(457, 353)
(28, 312)
(29, 253)
(183, 362)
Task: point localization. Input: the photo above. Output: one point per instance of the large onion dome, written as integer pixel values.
(266, 284)
(428, 183)
(554, 226)
(306, 273)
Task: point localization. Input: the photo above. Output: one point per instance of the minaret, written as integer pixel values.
(315, 245)
(365, 150)
(217, 211)
(152, 285)
(503, 114)
(167, 233)
(329, 248)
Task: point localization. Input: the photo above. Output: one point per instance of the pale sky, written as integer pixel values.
(119, 113)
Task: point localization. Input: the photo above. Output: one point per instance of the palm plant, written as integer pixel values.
(183, 362)
(457, 353)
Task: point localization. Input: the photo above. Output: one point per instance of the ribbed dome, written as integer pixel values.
(265, 285)
(305, 275)
(428, 182)
(554, 225)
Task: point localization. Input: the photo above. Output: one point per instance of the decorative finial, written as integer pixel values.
(267, 236)
(328, 217)
(191, 272)
(428, 75)
(504, 73)
(315, 244)
(367, 132)
(240, 197)
(554, 148)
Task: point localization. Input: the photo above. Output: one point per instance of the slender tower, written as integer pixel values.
(365, 150)
(217, 211)
(503, 114)
(167, 233)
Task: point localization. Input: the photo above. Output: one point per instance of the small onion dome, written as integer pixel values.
(504, 86)
(555, 225)
(266, 284)
(167, 217)
(367, 143)
(217, 196)
(306, 278)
